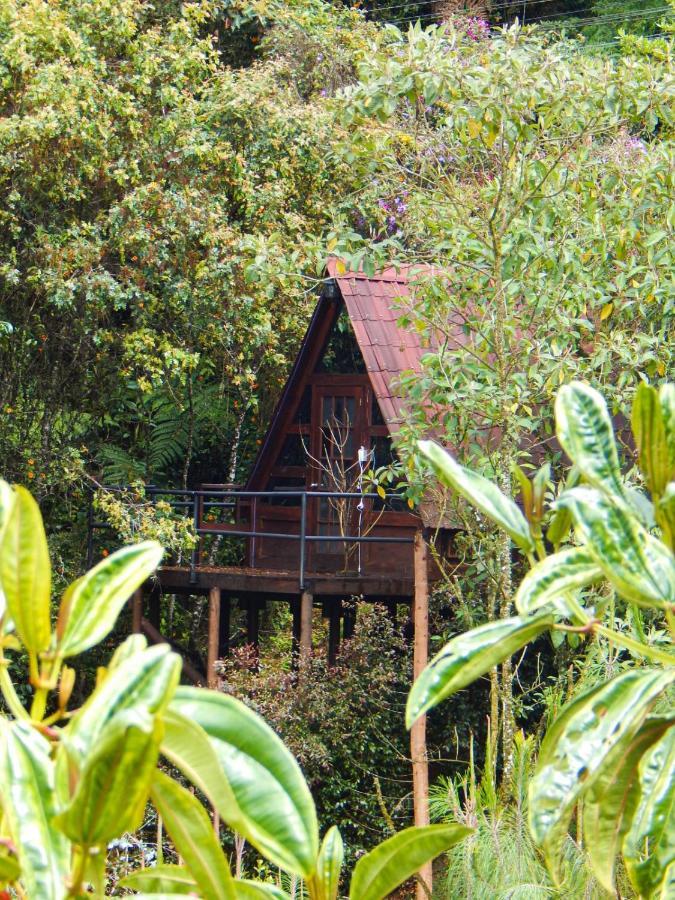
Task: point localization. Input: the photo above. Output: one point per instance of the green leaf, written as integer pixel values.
(274, 808)
(146, 679)
(10, 869)
(649, 846)
(667, 400)
(25, 572)
(91, 605)
(113, 788)
(665, 513)
(7, 498)
(650, 439)
(481, 493)
(329, 865)
(392, 862)
(162, 879)
(577, 746)
(637, 565)
(554, 576)
(561, 522)
(585, 432)
(191, 831)
(27, 791)
(610, 803)
(256, 890)
(468, 656)
(189, 748)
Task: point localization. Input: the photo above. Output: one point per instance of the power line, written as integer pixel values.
(502, 5)
(603, 20)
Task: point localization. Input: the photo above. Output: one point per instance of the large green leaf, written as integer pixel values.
(329, 865)
(585, 432)
(480, 492)
(611, 801)
(650, 439)
(25, 572)
(275, 809)
(468, 656)
(392, 862)
(91, 605)
(639, 567)
(162, 879)
(145, 679)
(191, 831)
(554, 576)
(113, 788)
(649, 846)
(27, 792)
(189, 748)
(578, 745)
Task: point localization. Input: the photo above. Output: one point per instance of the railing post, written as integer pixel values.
(303, 536)
(252, 544)
(194, 557)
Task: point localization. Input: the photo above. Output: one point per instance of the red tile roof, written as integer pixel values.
(375, 304)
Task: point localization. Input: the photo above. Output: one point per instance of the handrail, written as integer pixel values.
(201, 499)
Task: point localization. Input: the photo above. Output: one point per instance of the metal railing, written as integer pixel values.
(196, 503)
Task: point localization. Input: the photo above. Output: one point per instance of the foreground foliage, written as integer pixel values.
(612, 748)
(71, 781)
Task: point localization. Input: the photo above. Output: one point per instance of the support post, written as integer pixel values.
(155, 610)
(295, 632)
(137, 611)
(306, 610)
(418, 743)
(253, 622)
(334, 616)
(213, 637)
(224, 629)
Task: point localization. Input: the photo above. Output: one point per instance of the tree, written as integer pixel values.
(536, 181)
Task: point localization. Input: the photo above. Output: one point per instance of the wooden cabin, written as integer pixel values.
(314, 529)
(335, 420)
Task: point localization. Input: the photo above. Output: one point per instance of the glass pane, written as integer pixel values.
(293, 451)
(304, 414)
(376, 416)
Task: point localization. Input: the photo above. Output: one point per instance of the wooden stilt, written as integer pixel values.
(306, 610)
(136, 611)
(418, 744)
(295, 642)
(155, 610)
(213, 637)
(349, 622)
(253, 621)
(334, 615)
(224, 628)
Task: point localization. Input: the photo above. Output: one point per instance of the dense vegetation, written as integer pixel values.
(174, 177)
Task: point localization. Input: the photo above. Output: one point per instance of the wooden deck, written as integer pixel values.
(234, 581)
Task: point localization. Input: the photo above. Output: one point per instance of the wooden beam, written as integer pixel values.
(306, 611)
(334, 615)
(136, 611)
(213, 640)
(418, 742)
(156, 637)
